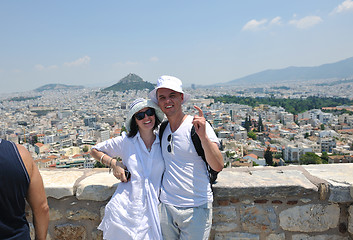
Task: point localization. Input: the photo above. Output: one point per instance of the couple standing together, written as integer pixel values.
(168, 195)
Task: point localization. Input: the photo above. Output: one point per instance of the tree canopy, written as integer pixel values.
(295, 106)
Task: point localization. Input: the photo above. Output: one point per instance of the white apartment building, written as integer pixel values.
(292, 153)
(316, 114)
(327, 144)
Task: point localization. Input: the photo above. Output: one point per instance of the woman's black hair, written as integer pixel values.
(134, 128)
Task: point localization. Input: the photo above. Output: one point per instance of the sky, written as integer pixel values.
(97, 43)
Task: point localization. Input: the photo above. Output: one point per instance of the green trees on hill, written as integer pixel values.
(294, 106)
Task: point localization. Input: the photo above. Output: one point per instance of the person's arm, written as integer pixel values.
(213, 155)
(36, 196)
(118, 167)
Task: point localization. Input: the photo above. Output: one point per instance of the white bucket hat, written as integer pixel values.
(139, 104)
(169, 82)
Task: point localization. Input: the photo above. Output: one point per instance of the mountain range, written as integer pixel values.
(56, 86)
(338, 70)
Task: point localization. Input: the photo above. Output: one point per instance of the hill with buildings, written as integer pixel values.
(334, 71)
(55, 86)
(130, 82)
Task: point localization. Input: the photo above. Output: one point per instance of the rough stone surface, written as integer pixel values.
(58, 183)
(319, 237)
(279, 236)
(265, 183)
(54, 215)
(258, 219)
(69, 231)
(224, 214)
(102, 212)
(310, 218)
(97, 235)
(236, 235)
(350, 220)
(81, 214)
(97, 187)
(339, 176)
(225, 226)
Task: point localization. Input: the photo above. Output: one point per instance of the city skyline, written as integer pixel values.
(201, 42)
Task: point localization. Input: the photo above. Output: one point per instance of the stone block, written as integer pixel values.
(54, 214)
(318, 237)
(224, 214)
(97, 187)
(236, 236)
(310, 218)
(258, 219)
(279, 236)
(225, 226)
(269, 183)
(339, 177)
(350, 219)
(58, 183)
(81, 214)
(70, 231)
(97, 235)
(102, 212)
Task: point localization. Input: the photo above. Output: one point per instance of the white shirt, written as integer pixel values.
(132, 212)
(185, 181)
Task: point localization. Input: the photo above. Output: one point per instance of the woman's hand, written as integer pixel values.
(119, 171)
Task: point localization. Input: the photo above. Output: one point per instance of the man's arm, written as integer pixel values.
(36, 196)
(213, 155)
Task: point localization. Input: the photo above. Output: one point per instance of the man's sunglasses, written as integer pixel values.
(141, 115)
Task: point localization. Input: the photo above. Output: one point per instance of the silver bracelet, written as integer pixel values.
(102, 157)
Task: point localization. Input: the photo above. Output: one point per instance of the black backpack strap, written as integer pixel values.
(161, 131)
(199, 149)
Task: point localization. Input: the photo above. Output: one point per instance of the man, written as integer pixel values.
(20, 180)
(186, 194)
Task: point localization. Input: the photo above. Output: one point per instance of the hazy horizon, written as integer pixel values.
(201, 42)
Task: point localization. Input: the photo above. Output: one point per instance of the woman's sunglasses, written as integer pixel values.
(141, 115)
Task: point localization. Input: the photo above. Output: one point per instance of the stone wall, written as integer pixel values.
(262, 203)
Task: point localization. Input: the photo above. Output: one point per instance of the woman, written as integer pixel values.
(132, 212)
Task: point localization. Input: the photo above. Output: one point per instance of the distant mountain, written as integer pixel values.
(56, 87)
(130, 82)
(337, 70)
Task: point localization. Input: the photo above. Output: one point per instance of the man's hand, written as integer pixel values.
(200, 123)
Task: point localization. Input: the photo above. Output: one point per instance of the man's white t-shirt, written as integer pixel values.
(185, 181)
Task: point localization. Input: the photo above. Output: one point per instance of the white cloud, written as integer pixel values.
(276, 21)
(79, 62)
(154, 59)
(254, 25)
(343, 7)
(40, 67)
(306, 22)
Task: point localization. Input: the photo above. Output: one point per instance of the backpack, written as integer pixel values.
(212, 174)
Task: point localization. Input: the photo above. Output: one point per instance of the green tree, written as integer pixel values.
(268, 156)
(252, 135)
(310, 158)
(85, 149)
(324, 157)
(247, 123)
(99, 165)
(123, 129)
(322, 126)
(260, 126)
